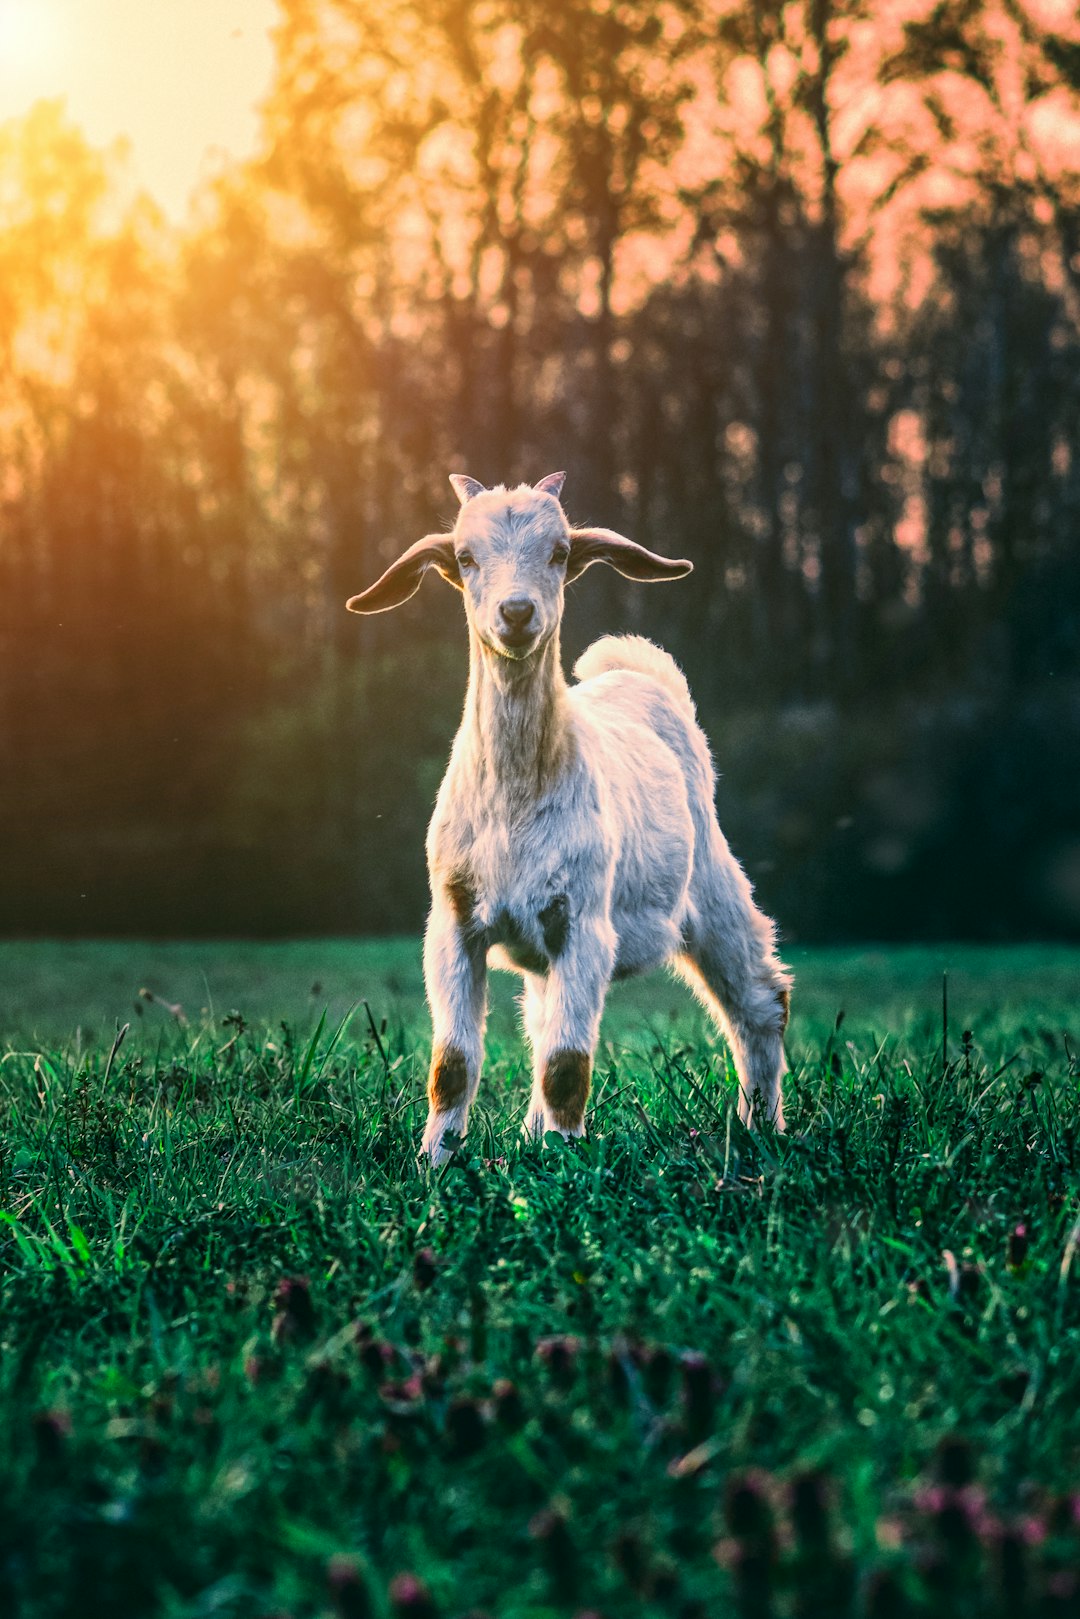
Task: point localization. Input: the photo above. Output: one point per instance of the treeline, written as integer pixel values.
(794, 291)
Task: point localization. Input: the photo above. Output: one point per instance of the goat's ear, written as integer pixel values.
(465, 487)
(402, 578)
(589, 545)
(552, 484)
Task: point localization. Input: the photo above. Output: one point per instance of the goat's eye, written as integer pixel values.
(466, 559)
(560, 554)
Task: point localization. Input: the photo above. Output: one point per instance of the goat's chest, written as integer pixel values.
(511, 888)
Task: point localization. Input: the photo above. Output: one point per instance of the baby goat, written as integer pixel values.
(574, 838)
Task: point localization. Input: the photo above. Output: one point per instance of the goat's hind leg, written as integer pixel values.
(730, 964)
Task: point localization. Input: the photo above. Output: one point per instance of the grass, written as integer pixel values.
(253, 1363)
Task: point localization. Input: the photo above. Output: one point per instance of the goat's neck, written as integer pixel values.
(515, 720)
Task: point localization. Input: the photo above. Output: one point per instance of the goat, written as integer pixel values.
(574, 838)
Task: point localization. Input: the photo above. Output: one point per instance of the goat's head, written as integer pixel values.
(511, 553)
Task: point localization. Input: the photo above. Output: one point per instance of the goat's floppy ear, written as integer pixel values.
(465, 487)
(402, 578)
(589, 545)
(552, 484)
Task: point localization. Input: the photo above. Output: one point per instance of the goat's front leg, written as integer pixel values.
(456, 981)
(562, 1017)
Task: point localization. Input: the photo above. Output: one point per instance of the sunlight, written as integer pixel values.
(180, 80)
(29, 35)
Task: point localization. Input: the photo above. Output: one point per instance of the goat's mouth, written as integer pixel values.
(516, 644)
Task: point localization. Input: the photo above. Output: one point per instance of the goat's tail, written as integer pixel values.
(644, 657)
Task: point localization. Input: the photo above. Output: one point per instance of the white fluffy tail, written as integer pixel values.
(634, 652)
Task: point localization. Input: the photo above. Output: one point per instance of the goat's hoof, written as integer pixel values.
(562, 1138)
(533, 1127)
(538, 1128)
(438, 1150)
(561, 1135)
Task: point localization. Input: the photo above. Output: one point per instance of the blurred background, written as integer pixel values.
(793, 290)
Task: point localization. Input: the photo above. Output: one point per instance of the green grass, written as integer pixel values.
(609, 1377)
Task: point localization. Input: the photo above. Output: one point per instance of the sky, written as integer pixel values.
(181, 79)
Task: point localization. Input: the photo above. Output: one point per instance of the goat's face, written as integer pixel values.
(512, 548)
(510, 554)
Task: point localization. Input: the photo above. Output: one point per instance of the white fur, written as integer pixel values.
(590, 803)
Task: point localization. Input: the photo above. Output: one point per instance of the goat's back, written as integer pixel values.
(643, 657)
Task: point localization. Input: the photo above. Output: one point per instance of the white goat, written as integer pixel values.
(574, 838)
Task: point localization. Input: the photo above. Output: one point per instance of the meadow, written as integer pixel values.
(254, 1363)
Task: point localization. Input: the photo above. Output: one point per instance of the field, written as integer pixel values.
(254, 1363)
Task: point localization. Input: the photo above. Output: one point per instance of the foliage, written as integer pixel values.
(255, 1363)
(790, 290)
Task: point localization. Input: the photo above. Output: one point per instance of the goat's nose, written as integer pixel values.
(517, 613)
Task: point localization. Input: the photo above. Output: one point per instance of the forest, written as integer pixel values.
(792, 290)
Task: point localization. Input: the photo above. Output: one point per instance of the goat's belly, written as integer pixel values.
(518, 957)
(646, 940)
(518, 944)
(651, 895)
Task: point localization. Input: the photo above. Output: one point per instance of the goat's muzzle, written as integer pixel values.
(518, 629)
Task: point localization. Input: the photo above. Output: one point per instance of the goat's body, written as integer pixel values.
(615, 839)
(574, 838)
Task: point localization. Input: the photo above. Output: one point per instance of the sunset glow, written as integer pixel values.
(179, 80)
